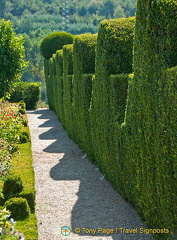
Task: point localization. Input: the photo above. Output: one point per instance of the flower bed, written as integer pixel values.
(11, 121)
(7, 230)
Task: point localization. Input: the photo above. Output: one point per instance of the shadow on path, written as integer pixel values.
(98, 204)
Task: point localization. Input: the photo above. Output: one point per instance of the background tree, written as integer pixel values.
(107, 9)
(11, 57)
(39, 18)
(2, 8)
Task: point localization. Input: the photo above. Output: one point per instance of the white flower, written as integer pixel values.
(12, 221)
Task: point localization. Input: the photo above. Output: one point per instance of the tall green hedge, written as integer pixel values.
(83, 63)
(85, 139)
(59, 89)
(52, 81)
(126, 121)
(68, 88)
(113, 56)
(115, 45)
(47, 80)
(150, 127)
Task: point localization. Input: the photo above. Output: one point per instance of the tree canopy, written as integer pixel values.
(11, 56)
(37, 19)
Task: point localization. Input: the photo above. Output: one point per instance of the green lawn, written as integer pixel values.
(22, 166)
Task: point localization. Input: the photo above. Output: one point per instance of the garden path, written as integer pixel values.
(71, 191)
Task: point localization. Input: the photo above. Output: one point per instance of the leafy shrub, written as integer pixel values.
(22, 104)
(22, 111)
(5, 159)
(10, 124)
(16, 91)
(12, 54)
(12, 185)
(24, 137)
(31, 95)
(30, 197)
(53, 42)
(18, 207)
(24, 120)
(2, 200)
(8, 231)
(28, 92)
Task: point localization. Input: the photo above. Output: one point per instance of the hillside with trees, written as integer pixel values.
(34, 19)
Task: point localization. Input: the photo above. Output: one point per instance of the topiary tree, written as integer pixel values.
(12, 185)
(53, 42)
(11, 57)
(18, 207)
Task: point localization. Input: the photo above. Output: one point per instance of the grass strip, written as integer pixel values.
(23, 167)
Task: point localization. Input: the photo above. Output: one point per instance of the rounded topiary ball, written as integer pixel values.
(18, 208)
(53, 42)
(24, 137)
(12, 185)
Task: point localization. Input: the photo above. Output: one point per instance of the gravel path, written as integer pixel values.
(71, 191)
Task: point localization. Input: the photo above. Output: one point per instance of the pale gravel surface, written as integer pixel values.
(69, 189)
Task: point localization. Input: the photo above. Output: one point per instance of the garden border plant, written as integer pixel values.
(21, 166)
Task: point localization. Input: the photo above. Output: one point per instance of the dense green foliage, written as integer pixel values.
(78, 105)
(74, 16)
(84, 53)
(130, 128)
(113, 56)
(24, 137)
(12, 185)
(11, 57)
(53, 42)
(115, 45)
(18, 207)
(36, 19)
(20, 182)
(83, 63)
(28, 92)
(23, 167)
(150, 129)
(2, 9)
(30, 197)
(68, 88)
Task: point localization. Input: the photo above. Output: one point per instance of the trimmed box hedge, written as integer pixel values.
(68, 88)
(59, 86)
(150, 127)
(126, 121)
(113, 56)
(47, 80)
(28, 92)
(53, 42)
(83, 63)
(115, 45)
